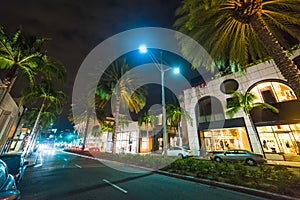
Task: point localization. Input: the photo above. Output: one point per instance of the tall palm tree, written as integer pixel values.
(115, 83)
(86, 116)
(47, 118)
(245, 102)
(22, 55)
(174, 116)
(48, 97)
(238, 31)
(147, 120)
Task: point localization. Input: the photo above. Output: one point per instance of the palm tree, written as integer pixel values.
(245, 102)
(174, 115)
(22, 55)
(86, 111)
(236, 32)
(115, 83)
(148, 120)
(49, 99)
(47, 118)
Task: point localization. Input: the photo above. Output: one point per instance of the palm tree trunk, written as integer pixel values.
(31, 148)
(147, 147)
(86, 131)
(179, 136)
(256, 135)
(34, 129)
(117, 126)
(286, 66)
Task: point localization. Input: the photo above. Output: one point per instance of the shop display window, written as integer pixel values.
(224, 139)
(280, 138)
(271, 92)
(126, 142)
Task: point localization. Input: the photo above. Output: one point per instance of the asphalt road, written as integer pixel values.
(65, 176)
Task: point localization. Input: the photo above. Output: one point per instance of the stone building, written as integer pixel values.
(276, 135)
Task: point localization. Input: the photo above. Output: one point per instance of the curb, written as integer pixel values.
(251, 191)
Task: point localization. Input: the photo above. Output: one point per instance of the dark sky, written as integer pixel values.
(76, 27)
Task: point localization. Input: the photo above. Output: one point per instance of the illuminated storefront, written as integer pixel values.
(278, 133)
(280, 138)
(223, 139)
(127, 142)
(143, 144)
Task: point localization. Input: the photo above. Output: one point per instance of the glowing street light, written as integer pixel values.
(143, 49)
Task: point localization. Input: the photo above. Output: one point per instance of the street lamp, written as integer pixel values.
(159, 65)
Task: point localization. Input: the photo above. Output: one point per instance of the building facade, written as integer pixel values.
(276, 135)
(9, 113)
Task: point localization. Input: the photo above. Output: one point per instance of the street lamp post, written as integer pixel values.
(160, 67)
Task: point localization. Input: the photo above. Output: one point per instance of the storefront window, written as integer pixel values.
(223, 139)
(127, 142)
(272, 92)
(280, 138)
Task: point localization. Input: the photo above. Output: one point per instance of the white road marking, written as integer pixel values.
(78, 166)
(115, 186)
(38, 165)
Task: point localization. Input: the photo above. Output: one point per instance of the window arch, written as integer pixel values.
(272, 91)
(210, 109)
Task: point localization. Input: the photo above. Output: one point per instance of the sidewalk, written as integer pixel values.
(32, 158)
(285, 163)
(269, 162)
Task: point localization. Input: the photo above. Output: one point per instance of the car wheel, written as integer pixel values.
(180, 155)
(250, 162)
(218, 159)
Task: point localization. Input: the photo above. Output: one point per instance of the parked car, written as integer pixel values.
(94, 149)
(8, 189)
(181, 151)
(16, 165)
(238, 155)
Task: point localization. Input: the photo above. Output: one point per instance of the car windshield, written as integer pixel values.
(186, 148)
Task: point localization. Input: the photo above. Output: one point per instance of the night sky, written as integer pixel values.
(76, 27)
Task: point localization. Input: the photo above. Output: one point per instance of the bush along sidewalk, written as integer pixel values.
(277, 179)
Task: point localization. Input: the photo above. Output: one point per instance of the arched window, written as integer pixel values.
(272, 92)
(210, 109)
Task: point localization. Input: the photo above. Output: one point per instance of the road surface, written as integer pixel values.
(70, 177)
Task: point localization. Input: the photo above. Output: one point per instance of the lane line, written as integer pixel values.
(78, 166)
(115, 186)
(38, 165)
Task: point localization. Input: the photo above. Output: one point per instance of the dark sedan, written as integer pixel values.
(16, 164)
(8, 188)
(238, 155)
